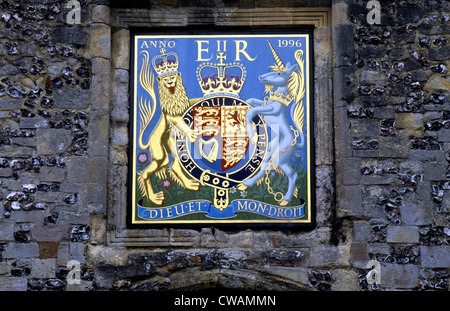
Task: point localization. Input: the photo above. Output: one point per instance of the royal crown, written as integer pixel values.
(280, 97)
(165, 63)
(221, 78)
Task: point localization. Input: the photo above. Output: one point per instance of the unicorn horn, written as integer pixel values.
(275, 55)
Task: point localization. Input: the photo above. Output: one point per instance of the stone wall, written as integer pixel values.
(395, 111)
(382, 125)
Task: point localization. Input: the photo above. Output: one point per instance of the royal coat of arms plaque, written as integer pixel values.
(221, 129)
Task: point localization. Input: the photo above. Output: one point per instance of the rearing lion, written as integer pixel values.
(174, 103)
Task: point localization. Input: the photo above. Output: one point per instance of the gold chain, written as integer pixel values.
(286, 149)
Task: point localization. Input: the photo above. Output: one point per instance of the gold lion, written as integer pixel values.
(174, 103)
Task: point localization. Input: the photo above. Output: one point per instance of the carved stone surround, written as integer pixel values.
(122, 20)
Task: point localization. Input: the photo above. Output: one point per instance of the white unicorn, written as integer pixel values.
(286, 88)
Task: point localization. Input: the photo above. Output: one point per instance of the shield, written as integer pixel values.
(222, 132)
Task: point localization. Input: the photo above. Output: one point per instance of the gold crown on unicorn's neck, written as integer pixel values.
(165, 63)
(221, 78)
(280, 97)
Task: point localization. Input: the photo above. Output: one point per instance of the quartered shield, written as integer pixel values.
(222, 136)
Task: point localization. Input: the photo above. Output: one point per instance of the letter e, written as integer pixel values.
(201, 49)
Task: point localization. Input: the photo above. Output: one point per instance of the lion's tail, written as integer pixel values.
(147, 109)
(146, 114)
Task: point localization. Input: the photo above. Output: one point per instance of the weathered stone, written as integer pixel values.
(21, 250)
(13, 284)
(444, 135)
(86, 170)
(362, 128)
(103, 255)
(399, 54)
(342, 76)
(100, 41)
(33, 123)
(345, 55)
(347, 171)
(435, 256)
(52, 141)
(365, 144)
(26, 142)
(434, 171)
(98, 229)
(70, 35)
(373, 100)
(358, 253)
(369, 77)
(120, 112)
(437, 83)
(439, 54)
(6, 172)
(93, 198)
(323, 256)
(39, 1)
(101, 72)
(427, 155)
(6, 231)
(43, 268)
(371, 51)
(361, 231)
(345, 280)
(10, 104)
(72, 98)
(393, 147)
(416, 213)
(51, 232)
(52, 174)
(409, 124)
(350, 200)
(15, 151)
(101, 14)
(296, 274)
(120, 54)
(399, 276)
(419, 76)
(8, 70)
(48, 249)
(99, 134)
(402, 234)
(410, 15)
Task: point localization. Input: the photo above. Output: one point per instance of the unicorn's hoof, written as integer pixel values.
(283, 202)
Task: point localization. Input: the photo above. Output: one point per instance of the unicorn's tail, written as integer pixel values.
(301, 143)
(296, 88)
(298, 117)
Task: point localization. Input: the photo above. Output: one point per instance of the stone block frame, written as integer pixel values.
(122, 21)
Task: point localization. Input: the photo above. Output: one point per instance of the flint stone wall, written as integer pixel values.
(382, 124)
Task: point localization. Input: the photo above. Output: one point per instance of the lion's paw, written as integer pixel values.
(192, 185)
(157, 198)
